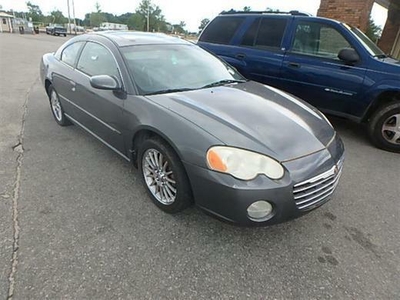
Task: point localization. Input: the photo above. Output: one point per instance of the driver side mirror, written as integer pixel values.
(105, 82)
(348, 55)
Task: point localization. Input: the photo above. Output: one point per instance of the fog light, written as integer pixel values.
(259, 211)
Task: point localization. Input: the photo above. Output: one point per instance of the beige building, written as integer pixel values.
(6, 22)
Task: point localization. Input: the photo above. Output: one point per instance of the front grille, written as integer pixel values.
(309, 193)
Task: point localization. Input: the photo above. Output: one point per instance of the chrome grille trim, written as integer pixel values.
(317, 189)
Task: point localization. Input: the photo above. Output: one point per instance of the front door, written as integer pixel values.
(102, 109)
(312, 70)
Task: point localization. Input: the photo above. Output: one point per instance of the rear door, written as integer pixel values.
(313, 71)
(260, 50)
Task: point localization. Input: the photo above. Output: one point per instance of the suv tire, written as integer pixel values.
(384, 127)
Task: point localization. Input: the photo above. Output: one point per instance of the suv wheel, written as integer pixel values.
(384, 127)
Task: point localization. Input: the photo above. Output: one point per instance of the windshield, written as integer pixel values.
(167, 68)
(367, 43)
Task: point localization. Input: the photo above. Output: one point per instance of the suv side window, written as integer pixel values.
(221, 30)
(319, 40)
(70, 53)
(97, 60)
(271, 33)
(251, 33)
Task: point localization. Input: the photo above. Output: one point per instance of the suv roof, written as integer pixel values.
(292, 12)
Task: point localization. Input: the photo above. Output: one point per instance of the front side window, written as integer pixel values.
(318, 40)
(270, 33)
(97, 60)
(221, 30)
(70, 53)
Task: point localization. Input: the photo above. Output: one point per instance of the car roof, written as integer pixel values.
(129, 38)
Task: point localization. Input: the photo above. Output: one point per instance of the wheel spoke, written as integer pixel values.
(150, 162)
(164, 168)
(388, 127)
(160, 160)
(170, 180)
(171, 187)
(395, 137)
(397, 120)
(168, 190)
(153, 159)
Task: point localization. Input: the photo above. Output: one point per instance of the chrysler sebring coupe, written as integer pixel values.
(197, 131)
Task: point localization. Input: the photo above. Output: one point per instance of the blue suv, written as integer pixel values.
(330, 64)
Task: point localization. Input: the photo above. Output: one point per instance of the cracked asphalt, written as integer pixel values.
(75, 222)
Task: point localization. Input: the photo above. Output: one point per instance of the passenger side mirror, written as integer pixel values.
(348, 55)
(105, 82)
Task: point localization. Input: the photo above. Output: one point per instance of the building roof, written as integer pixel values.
(4, 15)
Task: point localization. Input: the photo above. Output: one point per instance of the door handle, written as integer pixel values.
(73, 85)
(241, 56)
(294, 65)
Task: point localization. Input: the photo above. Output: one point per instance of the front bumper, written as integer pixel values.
(228, 198)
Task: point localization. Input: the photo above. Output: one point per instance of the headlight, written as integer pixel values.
(243, 164)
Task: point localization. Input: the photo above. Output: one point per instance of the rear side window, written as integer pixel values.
(251, 33)
(221, 30)
(70, 53)
(270, 33)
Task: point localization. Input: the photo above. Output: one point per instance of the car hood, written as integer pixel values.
(255, 117)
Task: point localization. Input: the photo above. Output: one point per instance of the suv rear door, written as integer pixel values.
(312, 70)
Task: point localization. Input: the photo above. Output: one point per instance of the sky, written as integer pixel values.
(191, 12)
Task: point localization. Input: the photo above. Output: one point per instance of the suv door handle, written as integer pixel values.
(294, 65)
(241, 56)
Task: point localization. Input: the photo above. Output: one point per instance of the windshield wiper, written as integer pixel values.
(223, 82)
(166, 91)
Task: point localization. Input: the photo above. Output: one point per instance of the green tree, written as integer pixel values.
(147, 10)
(180, 28)
(373, 31)
(34, 12)
(203, 24)
(57, 17)
(96, 18)
(247, 8)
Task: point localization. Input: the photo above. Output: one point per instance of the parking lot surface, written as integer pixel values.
(76, 223)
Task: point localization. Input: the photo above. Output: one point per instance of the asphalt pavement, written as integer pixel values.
(76, 223)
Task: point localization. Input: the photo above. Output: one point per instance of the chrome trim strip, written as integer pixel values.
(299, 188)
(93, 116)
(96, 136)
(319, 177)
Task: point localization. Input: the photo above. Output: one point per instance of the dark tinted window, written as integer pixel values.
(70, 53)
(221, 30)
(271, 32)
(97, 60)
(250, 35)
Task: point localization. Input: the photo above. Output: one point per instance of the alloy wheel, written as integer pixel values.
(391, 129)
(159, 177)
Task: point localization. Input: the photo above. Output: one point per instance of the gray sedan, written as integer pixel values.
(194, 127)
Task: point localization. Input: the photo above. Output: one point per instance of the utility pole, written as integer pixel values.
(69, 17)
(148, 17)
(73, 13)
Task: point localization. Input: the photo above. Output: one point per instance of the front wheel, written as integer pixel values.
(56, 108)
(164, 176)
(384, 127)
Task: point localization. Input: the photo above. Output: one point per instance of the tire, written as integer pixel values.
(166, 183)
(56, 108)
(384, 127)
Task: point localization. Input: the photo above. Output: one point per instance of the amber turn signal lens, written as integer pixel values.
(215, 162)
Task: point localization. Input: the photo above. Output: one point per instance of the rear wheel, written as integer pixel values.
(56, 108)
(164, 176)
(384, 127)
